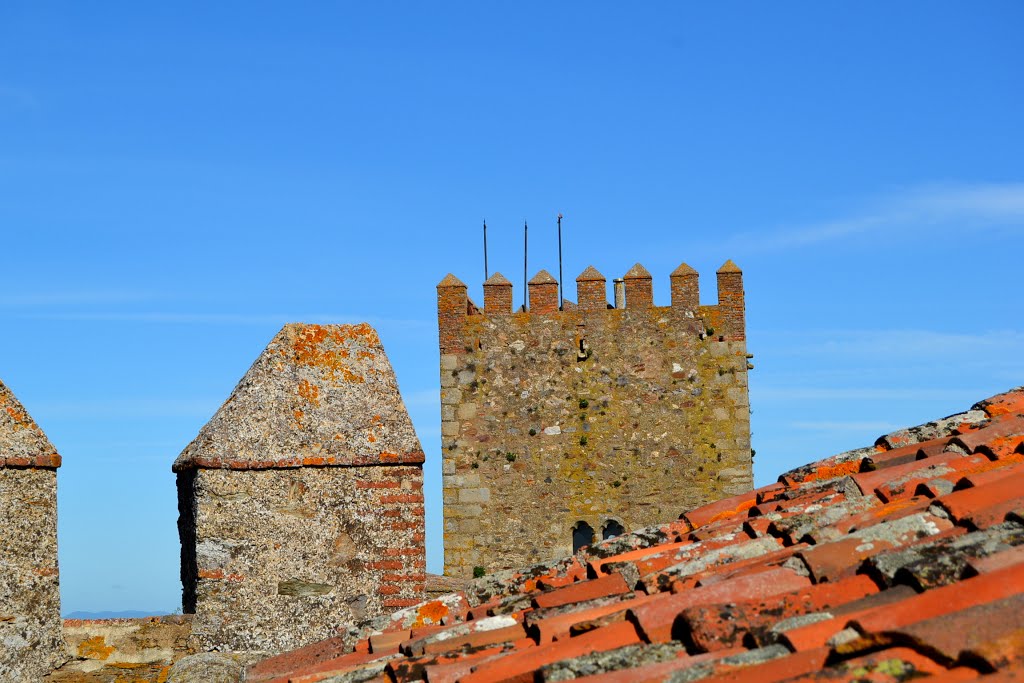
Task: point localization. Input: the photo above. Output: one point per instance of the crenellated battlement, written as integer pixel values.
(723, 321)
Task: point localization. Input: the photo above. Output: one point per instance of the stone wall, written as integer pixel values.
(301, 502)
(30, 627)
(285, 557)
(586, 415)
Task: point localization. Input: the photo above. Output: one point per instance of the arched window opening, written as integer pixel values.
(582, 534)
(611, 529)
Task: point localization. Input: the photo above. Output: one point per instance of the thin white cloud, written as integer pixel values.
(228, 318)
(72, 297)
(895, 343)
(125, 408)
(778, 393)
(826, 426)
(963, 206)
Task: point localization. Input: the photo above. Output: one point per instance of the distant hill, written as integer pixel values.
(124, 614)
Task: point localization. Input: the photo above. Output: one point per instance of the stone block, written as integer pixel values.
(474, 495)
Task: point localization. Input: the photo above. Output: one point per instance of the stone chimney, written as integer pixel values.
(301, 500)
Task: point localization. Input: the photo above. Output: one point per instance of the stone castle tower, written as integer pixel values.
(563, 425)
(301, 501)
(31, 638)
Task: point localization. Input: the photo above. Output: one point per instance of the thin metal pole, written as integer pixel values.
(525, 251)
(485, 251)
(561, 290)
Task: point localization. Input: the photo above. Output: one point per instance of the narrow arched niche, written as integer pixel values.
(582, 535)
(611, 529)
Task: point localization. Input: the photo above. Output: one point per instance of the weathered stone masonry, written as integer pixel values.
(31, 642)
(301, 501)
(586, 420)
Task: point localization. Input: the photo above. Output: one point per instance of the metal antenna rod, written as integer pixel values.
(525, 251)
(561, 287)
(485, 250)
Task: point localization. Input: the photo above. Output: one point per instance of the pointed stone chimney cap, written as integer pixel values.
(497, 279)
(450, 281)
(729, 267)
(543, 278)
(318, 395)
(684, 269)
(22, 442)
(590, 274)
(637, 272)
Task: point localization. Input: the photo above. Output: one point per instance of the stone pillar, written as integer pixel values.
(619, 287)
(685, 284)
(639, 289)
(731, 303)
(543, 293)
(31, 639)
(497, 295)
(590, 290)
(301, 501)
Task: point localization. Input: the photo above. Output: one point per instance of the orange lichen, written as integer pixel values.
(95, 648)
(217, 574)
(297, 415)
(726, 514)
(833, 471)
(430, 613)
(310, 392)
(309, 349)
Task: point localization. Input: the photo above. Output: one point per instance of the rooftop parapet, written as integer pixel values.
(543, 293)
(685, 286)
(591, 290)
(727, 316)
(497, 295)
(639, 290)
(731, 306)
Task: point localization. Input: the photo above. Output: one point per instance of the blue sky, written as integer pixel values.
(178, 180)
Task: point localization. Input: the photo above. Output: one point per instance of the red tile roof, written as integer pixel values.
(900, 561)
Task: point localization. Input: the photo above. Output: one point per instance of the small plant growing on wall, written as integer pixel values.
(533, 432)
(478, 572)
(584, 403)
(511, 457)
(583, 440)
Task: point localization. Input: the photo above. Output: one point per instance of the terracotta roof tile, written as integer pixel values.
(1009, 403)
(947, 426)
(897, 561)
